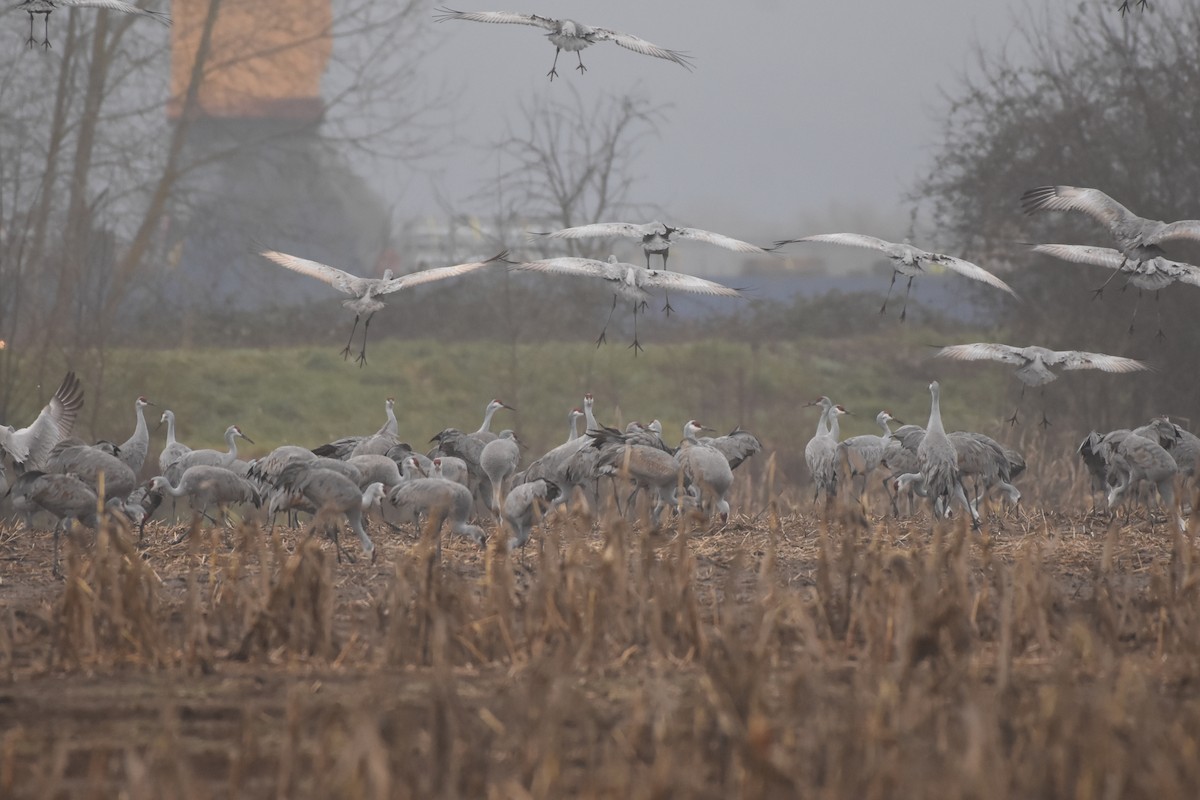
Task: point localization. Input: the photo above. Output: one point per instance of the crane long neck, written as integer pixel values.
(935, 415)
(590, 417)
(170, 429)
(392, 426)
(487, 420)
(231, 440)
(140, 430)
(834, 428)
(823, 422)
(574, 434)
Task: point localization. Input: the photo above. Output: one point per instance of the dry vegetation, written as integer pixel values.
(1052, 655)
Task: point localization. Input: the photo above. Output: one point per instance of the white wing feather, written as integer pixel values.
(849, 239)
(117, 5)
(503, 17)
(1074, 359)
(639, 45)
(717, 239)
(973, 271)
(983, 351)
(626, 229)
(435, 274)
(679, 282)
(338, 279)
(1083, 254)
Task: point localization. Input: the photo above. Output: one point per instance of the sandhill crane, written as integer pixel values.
(1136, 237)
(707, 470)
(906, 260)
(569, 35)
(437, 500)
(378, 443)
(30, 446)
(47, 7)
(173, 450)
(133, 451)
(453, 442)
(333, 493)
(65, 496)
(737, 445)
(938, 461)
(649, 468)
(1151, 275)
(3, 481)
(656, 239)
(376, 469)
(365, 291)
(899, 458)
(863, 454)
(212, 458)
(1132, 458)
(451, 469)
(553, 464)
(1034, 363)
(340, 467)
(821, 451)
(484, 434)
(628, 281)
(988, 462)
(499, 459)
(72, 456)
(204, 485)
(525, 503)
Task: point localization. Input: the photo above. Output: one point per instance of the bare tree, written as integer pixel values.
(98, 186)
(1091, 101)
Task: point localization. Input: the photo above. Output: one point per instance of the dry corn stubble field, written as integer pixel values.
(1053, 654)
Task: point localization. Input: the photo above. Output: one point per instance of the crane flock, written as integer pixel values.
(474, 481)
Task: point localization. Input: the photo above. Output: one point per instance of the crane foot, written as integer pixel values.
(602, 338)
(1045, 423)
(1162, 337)
(668, 308)
(31, 42)
(1013, 420)
(1096, 293)
(362, 358)
(635, 347)
(553, 73)
(46, 44)
(345, 352)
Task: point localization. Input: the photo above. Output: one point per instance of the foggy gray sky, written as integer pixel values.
(794, 111)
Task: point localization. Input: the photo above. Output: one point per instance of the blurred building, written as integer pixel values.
(268, 178)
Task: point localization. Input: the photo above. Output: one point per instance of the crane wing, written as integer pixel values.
(627, 229)
(973, 271)
(1092, 202)
(678, 282)
(31, 446)
(1184, 273)
(117, 5)
(1184, 229)
(983, 351)
(435, 274)
(849, 239)
(639, 45)
(708, 237)
(579, 267)
(1082, 254)
(504, 17)
(338, 279)
(1074, 359)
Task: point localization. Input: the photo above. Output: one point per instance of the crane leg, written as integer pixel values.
(1100, 289)
(888, 296)
(668, 308)
(353, 330)
(1045, 422)
(1013, 420)
(30, 42)
(582, 69)
(635, 346)
(602, 338)
(553, 73)
(46, 36)
(1136, 303)
(362, 355)
(904, 310)
(1158, 314)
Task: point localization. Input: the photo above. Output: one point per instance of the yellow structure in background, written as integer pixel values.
(267, 57)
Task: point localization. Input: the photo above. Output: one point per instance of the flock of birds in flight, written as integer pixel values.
(475, 476)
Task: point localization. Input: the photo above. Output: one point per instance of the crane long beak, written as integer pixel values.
(506, 405)
(247, 438)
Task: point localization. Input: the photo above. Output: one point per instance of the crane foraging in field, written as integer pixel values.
(205, 485)
(863, 454)
(29, 447)
(330, 492)
(627, 281)
(437, 500)
(523, 505)
(1034, 363)
(1131, 459)
(906, 260)
(64, 496)
(649, 468)
(569, 35)
(366, 291)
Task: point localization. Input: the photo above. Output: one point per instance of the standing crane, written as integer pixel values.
(821, 451)
(569, 35)
(706, 469)
(72, 456)
(65, 496)
(938, 462)
(863, 454)
(383, 440)
(499, 459)
(173, 450)
(212, 458)
(30, 446)
(133, 452)
(365, 291)
(484, 434)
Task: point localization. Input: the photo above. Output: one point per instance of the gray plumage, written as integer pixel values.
(209, 458)
(484, 434)
(499, 459)
(569, 35)
(29, 447)
(649, 468)
(452, 469)
(1034, 362)
(1132, 458)
(1137, 238)
(523, 505)
(737, 446)
(864, 454)
(656, 237)
(134, 450)
(376, 469)
(334, 493)
(437, 500)
(66, 497)
(938, 461)
(706, 469)
(821, 451)
(173, 450)
(88, 463)
(376, 444)
(205, 486)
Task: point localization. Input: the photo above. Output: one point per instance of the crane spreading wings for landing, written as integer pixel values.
(634, 276)
(353, 285)
(1026, 356)
(632, 230)
(1112, 259)
(1127, 228)
(32, 445)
